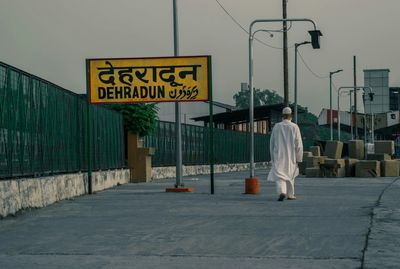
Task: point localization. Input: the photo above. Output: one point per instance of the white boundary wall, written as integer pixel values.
(169, 171)
(18, 194)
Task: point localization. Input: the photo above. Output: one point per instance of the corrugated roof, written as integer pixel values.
(242, 115)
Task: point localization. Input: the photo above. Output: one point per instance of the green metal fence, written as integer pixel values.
(229, 146)
(43, 129)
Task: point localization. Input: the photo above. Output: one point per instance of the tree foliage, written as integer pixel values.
(261, 97)
(307, 117)
(269, 97)
(138, 118)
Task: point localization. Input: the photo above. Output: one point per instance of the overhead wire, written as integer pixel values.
(247, 32)
(270, 46)
(309, 68)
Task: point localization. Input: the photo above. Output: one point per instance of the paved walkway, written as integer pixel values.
(335, 223)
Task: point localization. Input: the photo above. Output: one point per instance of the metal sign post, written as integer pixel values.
(178, 126)
(211, 128)
(88, 135)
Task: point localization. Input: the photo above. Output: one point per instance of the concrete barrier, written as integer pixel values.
(378, 156)
(333, 149)
(315, 150)
(356, 149)
(384, 146)
(17, 194)
(303, 164)
(313, 172)
(333, 168)
(390, 168)
(350, 167)
(368, 169)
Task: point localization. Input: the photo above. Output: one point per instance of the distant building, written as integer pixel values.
(378, 80)
(394, 98)
(265, 117)
(189, 110)
(384, 105)
(386, 124)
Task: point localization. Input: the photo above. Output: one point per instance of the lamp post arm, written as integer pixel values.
(296, 46)
(281, 20)
(260, 30)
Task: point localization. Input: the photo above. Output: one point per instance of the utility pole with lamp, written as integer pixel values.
(295, 77)
(251, 183)
(330, 100)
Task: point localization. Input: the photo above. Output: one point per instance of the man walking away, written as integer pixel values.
(286, 150)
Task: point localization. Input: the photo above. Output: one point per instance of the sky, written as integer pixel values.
(52, 39)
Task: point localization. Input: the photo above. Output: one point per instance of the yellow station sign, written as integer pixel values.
(135, 80)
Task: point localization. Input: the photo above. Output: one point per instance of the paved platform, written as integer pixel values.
(335, 223)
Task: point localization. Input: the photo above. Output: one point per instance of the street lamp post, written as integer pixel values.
(330, 99)
(338, 106)
(351, 114)
(251, 185)
(295, 76)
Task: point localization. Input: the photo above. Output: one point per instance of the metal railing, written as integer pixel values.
(229, 146)
(43, 129)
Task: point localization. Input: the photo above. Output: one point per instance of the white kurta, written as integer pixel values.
(286, 149)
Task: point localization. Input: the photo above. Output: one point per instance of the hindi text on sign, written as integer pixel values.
(149, 79)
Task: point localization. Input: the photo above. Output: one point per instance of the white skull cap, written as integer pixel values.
(287, 111)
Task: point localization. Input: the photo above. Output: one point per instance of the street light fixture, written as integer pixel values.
(296, 45)
(330, 99)
(315, 35)
(251, 185)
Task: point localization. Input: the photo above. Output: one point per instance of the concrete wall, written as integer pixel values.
(169, 172)
(17, 194)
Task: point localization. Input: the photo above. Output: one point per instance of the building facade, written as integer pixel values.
(378, 80)
(189, 110)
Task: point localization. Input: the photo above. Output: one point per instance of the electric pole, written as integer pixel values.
(355, 95)
(285, 56)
